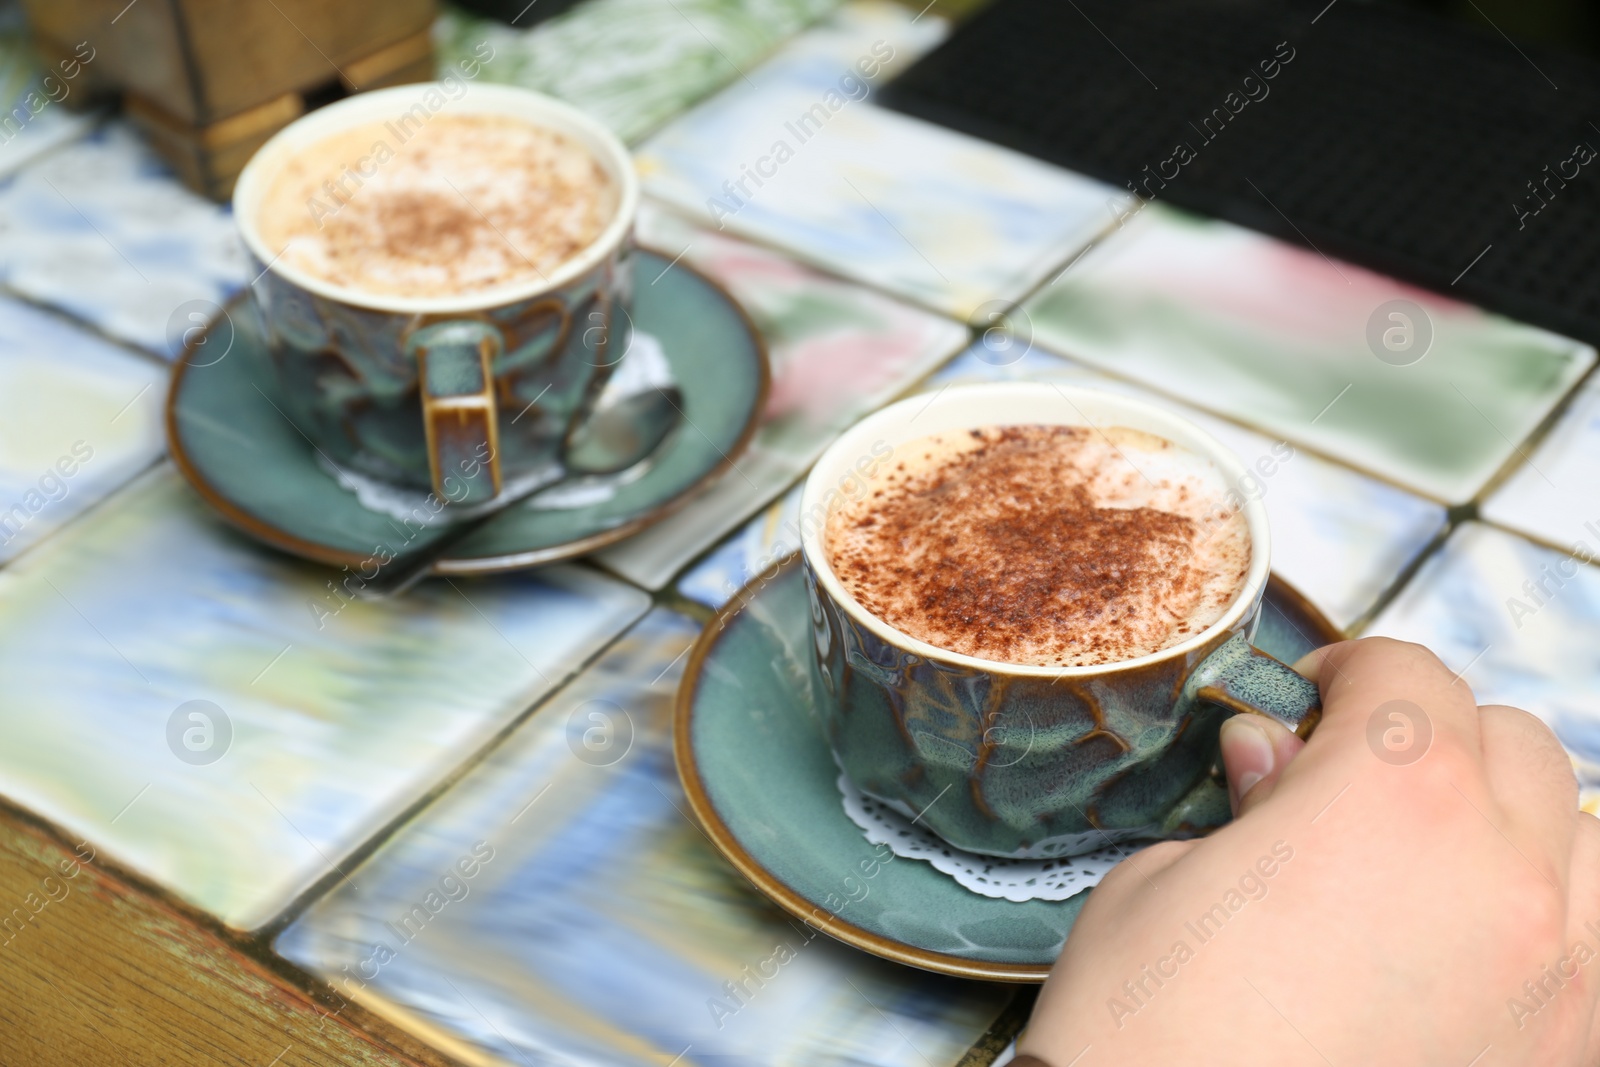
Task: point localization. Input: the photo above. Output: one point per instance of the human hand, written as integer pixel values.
(1414, 886)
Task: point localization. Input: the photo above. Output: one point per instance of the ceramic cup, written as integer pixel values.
(1015, 760)
(463, 394)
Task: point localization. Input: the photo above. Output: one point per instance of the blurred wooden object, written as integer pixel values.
(210, 80)
(99, 966)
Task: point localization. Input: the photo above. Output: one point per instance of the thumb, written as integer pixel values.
(1255, 750)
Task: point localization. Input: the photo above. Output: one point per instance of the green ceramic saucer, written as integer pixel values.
(250, 463)
(761, 780)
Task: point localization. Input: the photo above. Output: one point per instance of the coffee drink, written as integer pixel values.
(1026, 630)
(451, 206)
(1054, 546)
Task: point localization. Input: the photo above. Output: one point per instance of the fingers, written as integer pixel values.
(1584, 877)
(1531, 776)
(1310, 664)
(1255, 750)
(1584, 891)
(1392, 697)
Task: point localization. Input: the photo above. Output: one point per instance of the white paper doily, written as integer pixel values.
(990, 876)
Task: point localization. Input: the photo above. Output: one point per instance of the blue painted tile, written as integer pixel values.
(799, 157)
(103, 231)
(1554, 495)
(322, 719)
(79, 417)
(603, 928)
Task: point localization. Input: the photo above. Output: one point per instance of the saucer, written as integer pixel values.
(250, 463)
(762, 782)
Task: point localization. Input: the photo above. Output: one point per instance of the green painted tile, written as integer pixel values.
(632, 64)
(1278, 337)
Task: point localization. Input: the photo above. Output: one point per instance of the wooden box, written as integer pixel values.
(210, 80)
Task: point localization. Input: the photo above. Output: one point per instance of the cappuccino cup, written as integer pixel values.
(1032, 608)
(442, 279)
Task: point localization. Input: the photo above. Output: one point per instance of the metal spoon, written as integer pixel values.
(616, 436)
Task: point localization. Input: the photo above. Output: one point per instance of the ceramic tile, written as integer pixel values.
(33, 113)
(326, 722)
(604, 928)
(750, 550)
(1557, 491)
(1339, 537)
(837, 351)
(78, 418)
(798, 158)
(630, 63)
(1523, 624)
(1278, 337)
(103, 231)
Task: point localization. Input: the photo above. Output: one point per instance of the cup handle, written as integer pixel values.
(459, 413)
(1240, 679)
(1243, 679)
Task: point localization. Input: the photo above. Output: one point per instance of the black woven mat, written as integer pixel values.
(1416, 146)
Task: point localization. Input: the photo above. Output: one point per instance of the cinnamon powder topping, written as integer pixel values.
(1045, 545)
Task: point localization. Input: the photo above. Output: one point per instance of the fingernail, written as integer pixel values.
(1247, 753)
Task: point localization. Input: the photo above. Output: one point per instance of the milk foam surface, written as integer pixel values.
(1046, 545)
(456, 205)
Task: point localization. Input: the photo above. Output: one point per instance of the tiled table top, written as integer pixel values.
(799, 156)
(322, 719)
(1554, 496)
(630, 63)
(1293, 342)
(603, 924)
(100, 230)
(78, 417)
(837, 351)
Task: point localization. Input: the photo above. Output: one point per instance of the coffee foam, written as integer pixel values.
(458, 205)
(1053, 546)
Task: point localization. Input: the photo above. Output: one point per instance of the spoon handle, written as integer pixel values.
(409, 568)
(642, 420)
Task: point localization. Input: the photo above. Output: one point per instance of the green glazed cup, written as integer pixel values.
(466, 395)
(1027, 761)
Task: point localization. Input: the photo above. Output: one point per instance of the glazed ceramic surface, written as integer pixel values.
(362, 375)
(101, 230)
(759, 774)
(629, 63)
(328, 718)
(79, 417)
(837, 351)
(801, 158)
(250, 462)
(771, 535)
(605, 928)
(1016, 760)
(1555, 496)
(1283, 339)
